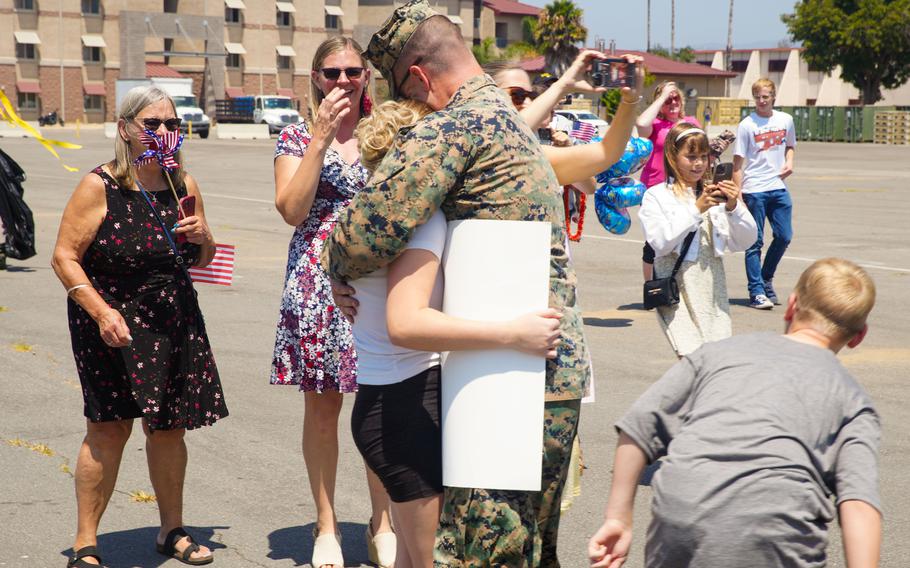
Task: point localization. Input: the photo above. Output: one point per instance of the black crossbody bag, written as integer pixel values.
(665, 291)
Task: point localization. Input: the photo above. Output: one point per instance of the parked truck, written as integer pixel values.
(272, 110)
(181, 90)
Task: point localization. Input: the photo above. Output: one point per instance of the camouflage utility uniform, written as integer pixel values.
(477, 159)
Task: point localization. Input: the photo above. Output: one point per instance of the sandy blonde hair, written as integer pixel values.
(765, 83)
(328, 47)
(673, 147)
(655, 94)
(376, 132)
(834, 296)
(136, 99)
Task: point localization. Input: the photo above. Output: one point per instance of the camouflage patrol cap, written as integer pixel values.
(387, 44)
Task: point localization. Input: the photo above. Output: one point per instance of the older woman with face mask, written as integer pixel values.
(137, 333)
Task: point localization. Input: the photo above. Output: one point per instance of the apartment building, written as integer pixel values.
(67, 55)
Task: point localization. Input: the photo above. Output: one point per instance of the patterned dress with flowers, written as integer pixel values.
(167, 375)
(314, 347)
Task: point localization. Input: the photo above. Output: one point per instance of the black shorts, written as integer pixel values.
(396, 428)
(647, 254)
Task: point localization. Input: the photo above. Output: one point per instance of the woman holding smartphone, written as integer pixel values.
(713, 219)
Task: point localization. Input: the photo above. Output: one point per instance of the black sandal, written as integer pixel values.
(77, 560)
(168, 548)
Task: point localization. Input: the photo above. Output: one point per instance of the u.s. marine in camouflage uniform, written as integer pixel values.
(474, 158)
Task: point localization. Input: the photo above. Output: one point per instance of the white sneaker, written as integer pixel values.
(760, 302)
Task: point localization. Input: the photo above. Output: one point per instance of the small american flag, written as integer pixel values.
(582, 131)
(220, 270)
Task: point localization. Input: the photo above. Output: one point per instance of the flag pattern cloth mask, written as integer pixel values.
(220, 270)
(583, 131)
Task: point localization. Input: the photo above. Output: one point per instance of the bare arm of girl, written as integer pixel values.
(413, 324)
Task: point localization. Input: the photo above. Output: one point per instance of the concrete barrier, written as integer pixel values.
(8, 130)
(242, 131)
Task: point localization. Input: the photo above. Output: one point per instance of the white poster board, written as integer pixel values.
(493, 400)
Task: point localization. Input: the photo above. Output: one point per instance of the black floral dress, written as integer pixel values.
(167, 375)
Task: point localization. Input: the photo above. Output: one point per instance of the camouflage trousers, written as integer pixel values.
(481, 527)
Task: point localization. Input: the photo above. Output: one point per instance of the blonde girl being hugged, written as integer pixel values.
(684, 204)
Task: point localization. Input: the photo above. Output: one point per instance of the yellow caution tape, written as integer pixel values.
(10, 116)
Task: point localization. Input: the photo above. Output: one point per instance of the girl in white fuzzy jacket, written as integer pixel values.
(722, 223)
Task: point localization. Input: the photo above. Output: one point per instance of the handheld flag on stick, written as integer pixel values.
(220, 270)
(163, 149)
(583, 131)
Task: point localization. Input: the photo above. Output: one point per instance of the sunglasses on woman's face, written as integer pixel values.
(171, 124)
(519, 95)
(333, 73)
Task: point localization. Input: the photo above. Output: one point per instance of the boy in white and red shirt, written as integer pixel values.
(763, 159)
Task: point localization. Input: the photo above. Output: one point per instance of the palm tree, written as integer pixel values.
(558, 32)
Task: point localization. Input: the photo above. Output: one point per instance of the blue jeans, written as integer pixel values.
(776, 206)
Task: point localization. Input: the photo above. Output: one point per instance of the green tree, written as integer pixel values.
(869, 39)
(558, 32)
(486, 51)
(519, 50)
(686, 54)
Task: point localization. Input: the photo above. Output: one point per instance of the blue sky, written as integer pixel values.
(699, 23)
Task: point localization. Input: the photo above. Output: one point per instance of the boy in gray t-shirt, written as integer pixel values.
(757, 434)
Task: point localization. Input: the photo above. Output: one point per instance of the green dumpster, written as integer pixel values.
(824, 124)
(744, 112)
(800, 116)
(839, 126)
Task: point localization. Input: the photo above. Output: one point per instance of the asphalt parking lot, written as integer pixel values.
(247, 495)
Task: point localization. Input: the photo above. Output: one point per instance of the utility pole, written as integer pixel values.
(648, 49)
(60, 46)
(672, 28)
(728, 56)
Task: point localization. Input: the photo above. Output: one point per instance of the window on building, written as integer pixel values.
(705, 63)
(91, 6)
(24, 5)
(739, 65)
(170, 6)
(332, 22)
(777, 65)
(811, 102)
(25, 51)
(93, 103)
(502, 34)
(28, 101)
(284, 62)
(232, 16)
(283, 19)
(233, 61)
(91, 54)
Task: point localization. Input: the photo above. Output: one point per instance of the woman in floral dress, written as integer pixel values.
(137, 333)
(317, 172)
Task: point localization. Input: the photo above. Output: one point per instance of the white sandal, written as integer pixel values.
(381, 547)
(327, 550)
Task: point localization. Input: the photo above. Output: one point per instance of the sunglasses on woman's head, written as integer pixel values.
(519, 95)
(171, 124)
(332, 73)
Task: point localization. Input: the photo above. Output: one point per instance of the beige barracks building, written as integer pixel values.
(67, 55)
